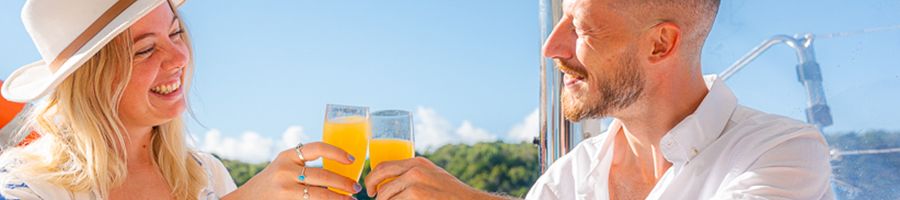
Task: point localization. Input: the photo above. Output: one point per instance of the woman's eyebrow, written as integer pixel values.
(145, 35)
(142, 36)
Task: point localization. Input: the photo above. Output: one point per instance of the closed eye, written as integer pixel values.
(177, 33)
(145, 52)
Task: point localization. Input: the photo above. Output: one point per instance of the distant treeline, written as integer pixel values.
(498, 167)
(866, 176)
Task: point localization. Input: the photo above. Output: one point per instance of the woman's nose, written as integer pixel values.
(177, 56)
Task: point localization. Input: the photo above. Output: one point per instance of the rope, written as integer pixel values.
(858, 32)
(864, 152)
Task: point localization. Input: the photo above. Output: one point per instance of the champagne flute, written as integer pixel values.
(347, 127)
(392, 137)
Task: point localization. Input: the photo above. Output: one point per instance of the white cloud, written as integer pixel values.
(251, 146)
(470, 134)
(525, 130)
(292, 136)
(432, 130)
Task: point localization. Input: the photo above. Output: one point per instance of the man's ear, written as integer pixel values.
(664, 41)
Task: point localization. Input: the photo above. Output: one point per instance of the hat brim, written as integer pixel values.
(28, 82)
(36, 80)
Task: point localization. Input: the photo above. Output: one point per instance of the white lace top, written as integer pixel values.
(14, 187)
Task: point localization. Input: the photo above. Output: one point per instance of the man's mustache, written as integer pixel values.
(570, 69)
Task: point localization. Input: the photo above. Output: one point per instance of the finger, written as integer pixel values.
(389, 169)
(321, 193)
(322, 177)
(415, 192)
(316, 150)
(405, 187)
(389, 189)
(384, 171)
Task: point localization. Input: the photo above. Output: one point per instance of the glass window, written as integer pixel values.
(856, 46)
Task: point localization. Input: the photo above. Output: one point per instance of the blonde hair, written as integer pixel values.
(82, 144)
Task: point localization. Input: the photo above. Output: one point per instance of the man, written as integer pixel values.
(676, 134)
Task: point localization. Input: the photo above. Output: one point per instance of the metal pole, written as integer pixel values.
(557, 135)
(555, 130)
(808, 73)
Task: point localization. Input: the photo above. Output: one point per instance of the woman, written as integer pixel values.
(111, 85)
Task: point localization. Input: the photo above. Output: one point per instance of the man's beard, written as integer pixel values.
(606, 93)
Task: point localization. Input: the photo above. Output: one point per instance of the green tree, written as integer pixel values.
(241, 172)
(497, 167)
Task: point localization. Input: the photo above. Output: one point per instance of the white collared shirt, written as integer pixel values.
(721, 151)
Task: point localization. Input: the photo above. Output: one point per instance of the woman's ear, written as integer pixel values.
(664, 41)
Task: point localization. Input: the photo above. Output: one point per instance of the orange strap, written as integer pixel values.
(90, 32)
(28, 139)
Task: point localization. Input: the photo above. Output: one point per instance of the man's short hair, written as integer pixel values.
(695, 16)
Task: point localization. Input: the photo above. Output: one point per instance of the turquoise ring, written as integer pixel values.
(302, 176)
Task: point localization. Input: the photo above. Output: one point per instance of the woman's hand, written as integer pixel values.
(419, 178)
(280, 179)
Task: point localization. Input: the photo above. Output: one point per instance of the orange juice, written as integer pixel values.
(386, 149)
(352, 135)
(390, 149)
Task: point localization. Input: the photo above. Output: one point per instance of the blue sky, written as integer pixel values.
(469, 70)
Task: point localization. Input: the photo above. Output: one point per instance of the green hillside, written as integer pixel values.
(497, 167)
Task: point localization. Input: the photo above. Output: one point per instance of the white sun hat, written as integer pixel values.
(67, 33)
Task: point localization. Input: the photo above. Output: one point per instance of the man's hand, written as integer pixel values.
(418, 178)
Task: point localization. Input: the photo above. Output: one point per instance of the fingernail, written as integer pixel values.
(357, 188)
(352, 197)
(352, 159)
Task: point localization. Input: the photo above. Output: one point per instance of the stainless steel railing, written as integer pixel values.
(808, 73)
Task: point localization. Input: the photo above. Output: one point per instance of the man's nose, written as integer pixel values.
(561, 43)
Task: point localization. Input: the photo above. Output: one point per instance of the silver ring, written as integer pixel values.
(306, 192)
(297, 149)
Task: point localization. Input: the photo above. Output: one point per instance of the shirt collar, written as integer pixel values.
(699, 129)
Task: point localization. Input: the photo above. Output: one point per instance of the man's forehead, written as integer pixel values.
(568, 5)
(579, 6)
